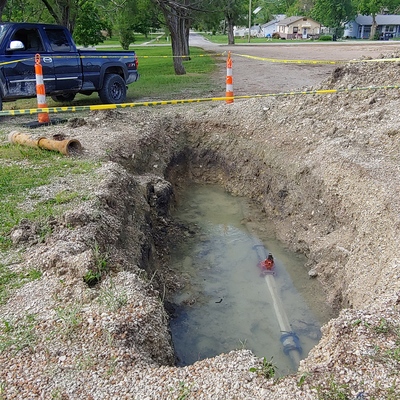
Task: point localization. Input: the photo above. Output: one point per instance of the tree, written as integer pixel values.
(235, 12)
(370, 7)
(25, 11)
(177, 19)
(64, 12)
(89, 25)
(224, 15)
(125, 29)
(128, 17)
(3, 3)
(374, 7)
(210, 21)
(333, 13)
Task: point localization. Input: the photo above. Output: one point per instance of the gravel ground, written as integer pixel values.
(324, 168)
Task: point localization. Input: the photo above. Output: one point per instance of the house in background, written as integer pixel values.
(298, 27)
(255, 31)
(271, 27)
(388, 27)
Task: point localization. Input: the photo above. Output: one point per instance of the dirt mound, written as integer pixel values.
(366, 73)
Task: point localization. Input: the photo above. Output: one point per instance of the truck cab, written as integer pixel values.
(59, 58)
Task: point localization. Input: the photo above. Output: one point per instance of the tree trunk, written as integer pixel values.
(176, 26)
(178, 53)
(2, 5)
(373, 27)
(65, 17)
(61, 13)
(184, 37)
(52, 11)
(175, 29)
(231, 36)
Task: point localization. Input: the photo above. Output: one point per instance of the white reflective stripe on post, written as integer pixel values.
(40, 91)
(229, 79)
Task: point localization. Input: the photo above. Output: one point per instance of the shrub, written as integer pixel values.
(325, 38)
(276, 35)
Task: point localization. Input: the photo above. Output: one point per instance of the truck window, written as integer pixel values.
(58, 40)
(3, 30)
(30, 38)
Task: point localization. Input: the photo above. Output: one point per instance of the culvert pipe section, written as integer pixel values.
(289, 339)
(66, 146)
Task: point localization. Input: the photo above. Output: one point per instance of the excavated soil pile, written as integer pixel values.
(324, 168)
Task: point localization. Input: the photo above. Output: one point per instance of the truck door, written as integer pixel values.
(20, 75)
(67, 64)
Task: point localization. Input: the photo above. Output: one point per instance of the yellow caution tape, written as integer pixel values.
(183, 101)
(15, 61)
(283, 61)
(275, 60)
(115, 56)
(271, 60)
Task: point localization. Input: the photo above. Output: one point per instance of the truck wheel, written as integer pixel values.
(113, 90)
(64, 98)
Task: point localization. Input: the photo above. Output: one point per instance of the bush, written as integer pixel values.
(276, 35)
(325, 38)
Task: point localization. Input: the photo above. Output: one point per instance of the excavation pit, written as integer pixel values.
(226, 303)
(324, 170)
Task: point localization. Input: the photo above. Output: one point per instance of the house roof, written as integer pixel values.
(270, 23)
(290, 20)
(380, 19)
(277, 18)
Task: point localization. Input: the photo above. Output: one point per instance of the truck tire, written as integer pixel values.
(64, 98)
(113, 90)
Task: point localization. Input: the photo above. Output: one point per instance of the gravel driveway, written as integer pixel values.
(252, 76)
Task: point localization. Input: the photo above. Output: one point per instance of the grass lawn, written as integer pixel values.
(157, 78)
(139, 39)
(223, 39)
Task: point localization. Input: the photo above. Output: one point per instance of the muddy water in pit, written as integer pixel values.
(226, 304)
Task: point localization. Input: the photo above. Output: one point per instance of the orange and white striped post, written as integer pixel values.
(43, 118)
(229, 79)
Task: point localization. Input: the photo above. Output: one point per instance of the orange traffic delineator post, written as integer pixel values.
(229, 79)
(43, 118)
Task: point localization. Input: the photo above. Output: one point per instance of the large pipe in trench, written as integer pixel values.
(289, 339)
(66, 146)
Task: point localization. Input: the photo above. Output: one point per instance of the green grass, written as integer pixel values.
(333, 390)
(267, 369)
(157, 78)
(25, 168)
(100, 268)
(10, 281)
(18, 335)
(139, 39)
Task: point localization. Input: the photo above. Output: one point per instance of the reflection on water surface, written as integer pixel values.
(227, 305)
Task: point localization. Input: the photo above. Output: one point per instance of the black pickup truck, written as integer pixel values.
(66, 69)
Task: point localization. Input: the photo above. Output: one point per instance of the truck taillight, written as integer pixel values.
(133, 64)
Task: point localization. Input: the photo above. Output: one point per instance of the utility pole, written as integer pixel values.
(248, 38)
